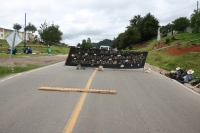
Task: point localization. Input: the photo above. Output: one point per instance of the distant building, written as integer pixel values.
(187, 29)
(5, 32)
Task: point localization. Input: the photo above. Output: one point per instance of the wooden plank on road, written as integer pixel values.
(78, 90)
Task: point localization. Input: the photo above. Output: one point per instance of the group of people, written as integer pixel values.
(13, 51)
(181, 75)
(27, 50)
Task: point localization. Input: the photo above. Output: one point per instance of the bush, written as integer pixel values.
(164, 35)
(167, 40)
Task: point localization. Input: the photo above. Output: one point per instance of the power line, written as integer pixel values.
(115, 21)
(100, 22)
(176, 10)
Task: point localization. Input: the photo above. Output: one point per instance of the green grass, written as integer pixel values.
(36, 48)
(40, 50)
(184, 39)
(3, 42)
(4, 71)
(165, 61)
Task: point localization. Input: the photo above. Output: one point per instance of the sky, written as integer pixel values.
(94, 19)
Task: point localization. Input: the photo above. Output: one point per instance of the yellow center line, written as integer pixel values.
(72, 120)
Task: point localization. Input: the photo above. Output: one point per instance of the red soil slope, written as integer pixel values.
(176, 51)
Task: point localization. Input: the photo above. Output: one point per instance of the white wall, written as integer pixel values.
(7, 32)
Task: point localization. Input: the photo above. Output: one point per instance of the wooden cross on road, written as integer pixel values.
(86, 89)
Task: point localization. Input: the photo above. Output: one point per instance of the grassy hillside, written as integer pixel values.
(183, 39)
(161, 58)
(37, 49)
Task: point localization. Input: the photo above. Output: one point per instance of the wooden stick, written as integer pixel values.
(78, 90)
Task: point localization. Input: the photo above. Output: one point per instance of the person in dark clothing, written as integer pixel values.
(14, 51)
(9, 50)
(26, 50)
(29, 50)
(175, 74)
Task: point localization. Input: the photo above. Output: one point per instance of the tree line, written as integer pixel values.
(49, 32)
(142, 29)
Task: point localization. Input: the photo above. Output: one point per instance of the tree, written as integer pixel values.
(148, 27)
(135, 20)
(86, 44)
(169, 27)
(166, 29)
(89, 43)
(88, 40)
(132, 36)
(128, 38)
(50, 33)
(30, 27)
(119, 41)
(17, 26)
(140, 29)
(78, 45)
(180, 24)
(114, 43)
(195, 21)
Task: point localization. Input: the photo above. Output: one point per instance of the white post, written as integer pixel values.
(158, 37)
(12, 47)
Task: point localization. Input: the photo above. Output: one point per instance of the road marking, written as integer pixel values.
(26, 72)
(10, 77)
(187, 87)
(179, 84)
(72, 120)
(37, 69)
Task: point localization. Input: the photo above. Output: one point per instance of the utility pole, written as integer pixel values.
(25, 32)
(197, 5)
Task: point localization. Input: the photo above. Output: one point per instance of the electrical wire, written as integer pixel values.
(52, 19)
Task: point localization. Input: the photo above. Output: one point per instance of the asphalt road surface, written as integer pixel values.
(144, 103)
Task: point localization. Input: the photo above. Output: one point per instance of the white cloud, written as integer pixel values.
(96, 19)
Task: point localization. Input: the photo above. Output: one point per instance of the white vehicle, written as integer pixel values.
(105, 48)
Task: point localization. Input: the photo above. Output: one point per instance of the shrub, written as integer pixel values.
(164, 35)
(167, 40)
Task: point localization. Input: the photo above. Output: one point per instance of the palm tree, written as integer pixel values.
(135, 20)
(17, 26)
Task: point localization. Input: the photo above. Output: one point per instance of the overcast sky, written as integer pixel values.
(94, 19)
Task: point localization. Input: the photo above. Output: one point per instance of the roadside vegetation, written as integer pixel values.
(4, 71)
(162, 59)
(38, 50)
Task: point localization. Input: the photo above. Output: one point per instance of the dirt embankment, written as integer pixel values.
(41, 60)
(176, 51)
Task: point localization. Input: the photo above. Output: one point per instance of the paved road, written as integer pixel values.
(144, 103)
